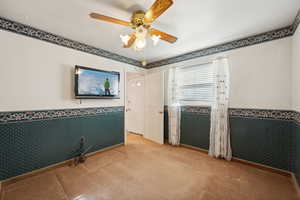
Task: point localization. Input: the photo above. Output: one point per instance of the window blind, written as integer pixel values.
(195, 83)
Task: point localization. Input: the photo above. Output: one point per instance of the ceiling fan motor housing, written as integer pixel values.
(137, 19)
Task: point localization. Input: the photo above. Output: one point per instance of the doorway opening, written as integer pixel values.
(144, 105)
(135, 103)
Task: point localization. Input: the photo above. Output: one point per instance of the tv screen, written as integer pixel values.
(93, 83)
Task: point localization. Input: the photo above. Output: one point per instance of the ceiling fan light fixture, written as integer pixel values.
(141, 22)
(141, 35)
(139, 44)
(125, 39)
(141, 32)
(155, 39)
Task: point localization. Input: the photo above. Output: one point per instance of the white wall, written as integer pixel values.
(259, 75)
(296, 71)
(37, 75)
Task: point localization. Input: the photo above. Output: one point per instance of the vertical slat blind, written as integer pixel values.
(196, 83)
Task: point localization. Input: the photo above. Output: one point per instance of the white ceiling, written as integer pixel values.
(197, 23)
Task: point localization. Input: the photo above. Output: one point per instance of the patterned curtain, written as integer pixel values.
(219, 132)
(174, 110)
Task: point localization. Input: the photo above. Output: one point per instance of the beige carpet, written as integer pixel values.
(143, 170)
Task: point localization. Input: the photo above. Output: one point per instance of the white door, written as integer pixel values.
(135, 109)
(154, 107)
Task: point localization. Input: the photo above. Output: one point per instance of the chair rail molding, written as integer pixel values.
(25, 116)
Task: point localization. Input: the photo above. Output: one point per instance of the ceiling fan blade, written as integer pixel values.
(156, 10)
(130, 41)
(109, 19)
(163, 36)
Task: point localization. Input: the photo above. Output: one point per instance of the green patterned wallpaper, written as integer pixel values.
(27, 145)
(257, 135)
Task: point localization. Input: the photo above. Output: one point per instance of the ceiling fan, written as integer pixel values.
(141, 23)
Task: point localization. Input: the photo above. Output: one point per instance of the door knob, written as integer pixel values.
(161, 112)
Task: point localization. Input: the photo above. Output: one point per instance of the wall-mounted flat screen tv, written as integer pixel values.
(96, 84)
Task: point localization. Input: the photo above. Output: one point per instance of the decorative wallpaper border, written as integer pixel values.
(249, 41)
(285, 115)
(29, 31)
(296, 22)
(297, 117)
(262, 114)
(24, 116)
(196, 109)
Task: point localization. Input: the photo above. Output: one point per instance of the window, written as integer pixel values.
(195, 84)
